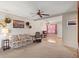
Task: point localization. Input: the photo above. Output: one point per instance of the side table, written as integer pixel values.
(5, 44)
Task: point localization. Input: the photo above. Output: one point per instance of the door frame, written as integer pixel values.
(78, 21)
(47, 28)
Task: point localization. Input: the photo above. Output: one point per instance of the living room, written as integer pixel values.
(27, 25)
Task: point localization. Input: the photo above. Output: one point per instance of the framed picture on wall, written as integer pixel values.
(18, 24)
(71, 22)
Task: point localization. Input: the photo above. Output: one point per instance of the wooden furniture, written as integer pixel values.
(44, 34)
(5, 44)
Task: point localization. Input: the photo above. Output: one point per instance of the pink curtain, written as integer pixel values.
(52, 28)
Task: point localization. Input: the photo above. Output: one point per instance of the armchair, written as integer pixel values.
(38, 37)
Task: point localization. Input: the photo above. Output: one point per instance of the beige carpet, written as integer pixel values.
(50, 47)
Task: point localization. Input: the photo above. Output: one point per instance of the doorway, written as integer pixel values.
(52, 28)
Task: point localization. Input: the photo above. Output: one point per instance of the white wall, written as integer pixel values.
(57, 20)
(39, 25)
(36, 27)
(70, 32)
(59, 29)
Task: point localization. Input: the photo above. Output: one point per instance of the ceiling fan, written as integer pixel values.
(41, 14)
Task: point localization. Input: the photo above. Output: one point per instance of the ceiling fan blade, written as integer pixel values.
(45, 14)
(40, 16)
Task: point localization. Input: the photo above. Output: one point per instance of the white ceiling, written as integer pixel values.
(26, 8)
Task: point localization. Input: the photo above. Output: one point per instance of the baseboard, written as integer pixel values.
(73, 50)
